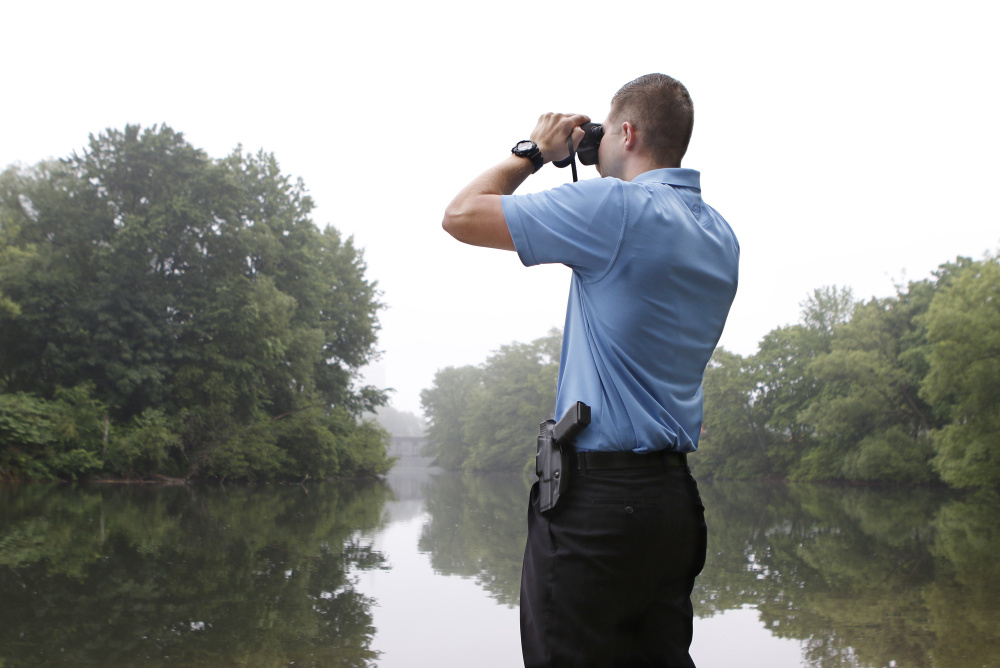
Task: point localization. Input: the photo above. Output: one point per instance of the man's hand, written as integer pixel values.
(475, 216)
(552, 130)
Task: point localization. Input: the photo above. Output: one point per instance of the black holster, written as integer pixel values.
(555, 447)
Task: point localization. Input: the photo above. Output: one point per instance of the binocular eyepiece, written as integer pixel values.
(587, 150)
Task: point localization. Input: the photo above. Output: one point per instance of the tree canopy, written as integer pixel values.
(165, 312)
(484, 418)
(901, 389)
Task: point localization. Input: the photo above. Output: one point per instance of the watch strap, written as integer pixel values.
(534, 154)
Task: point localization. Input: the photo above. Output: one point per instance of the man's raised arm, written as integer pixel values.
(475, 215)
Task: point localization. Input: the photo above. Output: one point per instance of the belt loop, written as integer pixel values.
(581, 461)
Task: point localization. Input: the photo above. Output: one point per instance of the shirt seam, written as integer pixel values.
(621, 239)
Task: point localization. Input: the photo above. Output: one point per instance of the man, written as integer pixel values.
(608, 572)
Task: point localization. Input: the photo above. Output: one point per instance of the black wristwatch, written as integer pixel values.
(529, 149)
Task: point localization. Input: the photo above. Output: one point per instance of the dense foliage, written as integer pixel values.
(902, 389)
(485, 418)
(162, 312)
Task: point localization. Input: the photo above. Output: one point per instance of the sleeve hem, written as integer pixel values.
(512, 216)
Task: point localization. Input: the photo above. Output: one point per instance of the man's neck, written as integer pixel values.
(637, 167)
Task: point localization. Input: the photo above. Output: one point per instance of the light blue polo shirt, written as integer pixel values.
(654, 274)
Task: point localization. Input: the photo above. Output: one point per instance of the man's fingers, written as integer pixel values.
(553, 129)
(563, 121)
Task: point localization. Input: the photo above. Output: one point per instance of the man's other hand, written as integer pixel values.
(552, 131)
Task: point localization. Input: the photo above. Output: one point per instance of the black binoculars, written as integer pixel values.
(587, 150)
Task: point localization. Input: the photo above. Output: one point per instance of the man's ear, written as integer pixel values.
(631, 138)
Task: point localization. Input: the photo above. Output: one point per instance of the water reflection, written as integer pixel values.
(854, 572)
(186, 577)
(268, 576)
(477, 529)
(859, 576)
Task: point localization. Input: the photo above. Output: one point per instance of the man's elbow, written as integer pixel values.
(460, 221)
(479, 222)
(452, 221)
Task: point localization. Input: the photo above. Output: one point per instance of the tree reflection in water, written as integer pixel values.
(186, 576)
(860, 576)
(477, 529)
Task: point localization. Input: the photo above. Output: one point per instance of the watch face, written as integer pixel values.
(525, 145)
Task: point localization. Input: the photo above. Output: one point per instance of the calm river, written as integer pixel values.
(422, 570)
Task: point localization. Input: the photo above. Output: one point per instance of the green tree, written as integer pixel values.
(518, 392)
(785, 386)
(735, 441)
(446, 404)
(870, 412)
(65, 437)
(753, 406)
(835, 397)
(485, 418)
(827, 308)
(824, 313)
(963, 326)
(196, 287)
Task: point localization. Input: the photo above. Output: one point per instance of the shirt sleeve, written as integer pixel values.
(578, 224)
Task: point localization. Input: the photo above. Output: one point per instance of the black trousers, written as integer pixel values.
(608, 573)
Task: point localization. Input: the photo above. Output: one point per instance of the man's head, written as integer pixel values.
(659, 112)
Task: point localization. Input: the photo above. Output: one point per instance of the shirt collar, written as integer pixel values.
(674, 176)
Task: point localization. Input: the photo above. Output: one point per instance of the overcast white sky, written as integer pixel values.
(849, 143)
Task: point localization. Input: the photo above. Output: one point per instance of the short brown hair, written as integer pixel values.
(661, 110)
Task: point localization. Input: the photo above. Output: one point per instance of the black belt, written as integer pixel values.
(625, 459)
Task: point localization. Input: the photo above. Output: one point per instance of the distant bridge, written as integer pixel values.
(407, 446)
